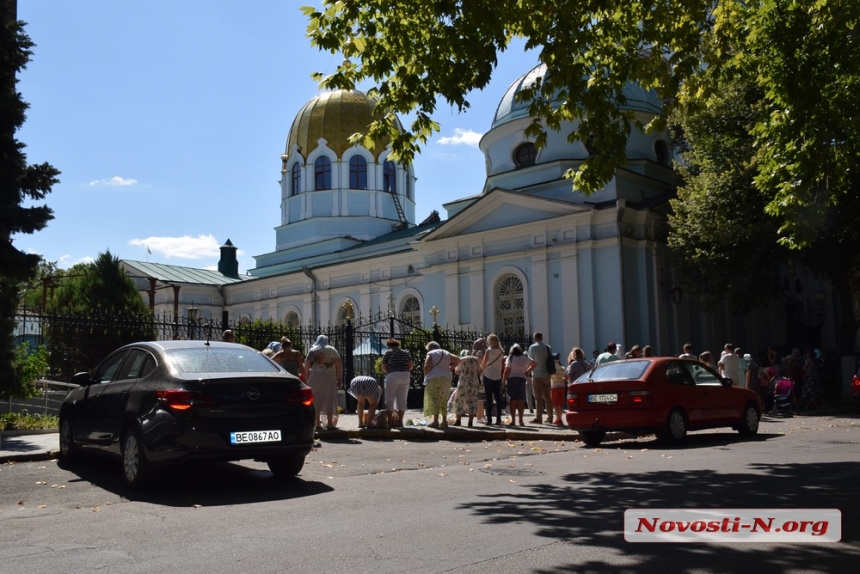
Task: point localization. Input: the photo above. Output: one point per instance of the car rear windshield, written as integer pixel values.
(219, 360)
(615, 371)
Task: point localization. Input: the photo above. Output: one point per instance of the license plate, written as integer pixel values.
(248, 437)
(609, 398)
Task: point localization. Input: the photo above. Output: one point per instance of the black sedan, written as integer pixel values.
(154, 404)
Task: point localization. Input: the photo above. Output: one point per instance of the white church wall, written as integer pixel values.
(568, 285)
(558, 304)
(356, 204)
(464, 297)
(607, 293)
(639, 306)
(478, 295)
(322, 204)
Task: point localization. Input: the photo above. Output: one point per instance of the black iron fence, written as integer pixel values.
(77, 341)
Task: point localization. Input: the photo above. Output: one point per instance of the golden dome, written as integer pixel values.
(334, 116)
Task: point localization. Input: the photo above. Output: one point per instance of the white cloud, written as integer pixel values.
(462, 137)
(185, 247)
(115, 181)
(67, 261)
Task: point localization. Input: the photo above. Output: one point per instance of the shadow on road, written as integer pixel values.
(621, 441)
(215, 484)
(587, 510)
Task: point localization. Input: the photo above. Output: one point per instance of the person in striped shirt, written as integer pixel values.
(397, 365)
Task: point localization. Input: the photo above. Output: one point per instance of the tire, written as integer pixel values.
(749, 422)
(69, 451)
(287, 467)
(592, 438)
(675, 428)
(136, 468)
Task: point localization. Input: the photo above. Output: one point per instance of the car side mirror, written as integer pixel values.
(727, 382)
(82, 379)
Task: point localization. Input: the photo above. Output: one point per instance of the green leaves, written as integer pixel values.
(420, 53)
(100, 285)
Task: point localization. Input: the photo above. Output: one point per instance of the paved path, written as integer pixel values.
(43, 445)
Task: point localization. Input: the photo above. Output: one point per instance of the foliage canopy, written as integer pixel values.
(418, 52)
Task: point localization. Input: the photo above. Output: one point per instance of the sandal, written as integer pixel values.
(434, 425)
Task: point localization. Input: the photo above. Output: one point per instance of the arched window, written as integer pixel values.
(389, 177)
(292, 319)
(357, 172)
(410, 311)
(322, 173)
(346, 310)
(296, 179)
(510, 317)
(661, 150)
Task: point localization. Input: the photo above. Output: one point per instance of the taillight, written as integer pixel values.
(856, 381)
(304, 396)
(640, 397)
(572, 401)
(182, 400)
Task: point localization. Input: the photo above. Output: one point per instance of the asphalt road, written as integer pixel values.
(400, 507)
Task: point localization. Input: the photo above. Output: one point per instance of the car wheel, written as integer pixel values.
(287, 467)
(592, 438)
(676, 427)
(69, 452)
(749, 423)
(137, 470)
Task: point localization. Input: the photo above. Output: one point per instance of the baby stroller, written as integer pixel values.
(783, 396)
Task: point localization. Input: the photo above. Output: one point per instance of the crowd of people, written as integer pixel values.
(493, 385)
(805, 370)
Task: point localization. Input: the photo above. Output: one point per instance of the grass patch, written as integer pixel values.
(26, 421)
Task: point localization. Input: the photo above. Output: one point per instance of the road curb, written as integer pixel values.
(456, 435)
(5, 433)
(29, 457)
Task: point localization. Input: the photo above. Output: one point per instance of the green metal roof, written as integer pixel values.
(179, 274)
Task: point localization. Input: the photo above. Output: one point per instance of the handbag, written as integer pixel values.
(382, 420)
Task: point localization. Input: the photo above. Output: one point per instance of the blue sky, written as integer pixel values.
(168, 119)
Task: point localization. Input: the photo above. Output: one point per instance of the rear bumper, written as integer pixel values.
(178, 453)
(169, 441)
(608, 420)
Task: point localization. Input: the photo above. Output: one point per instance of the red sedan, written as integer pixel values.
(855, 389)
(662, 395)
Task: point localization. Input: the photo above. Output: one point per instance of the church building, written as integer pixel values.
(523, 254)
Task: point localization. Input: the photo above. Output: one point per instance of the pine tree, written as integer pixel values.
(18, 182)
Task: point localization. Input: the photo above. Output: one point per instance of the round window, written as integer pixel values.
(525, 154)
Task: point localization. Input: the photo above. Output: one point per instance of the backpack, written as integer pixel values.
(550, 361)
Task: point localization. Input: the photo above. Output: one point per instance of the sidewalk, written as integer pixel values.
(25, 446)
